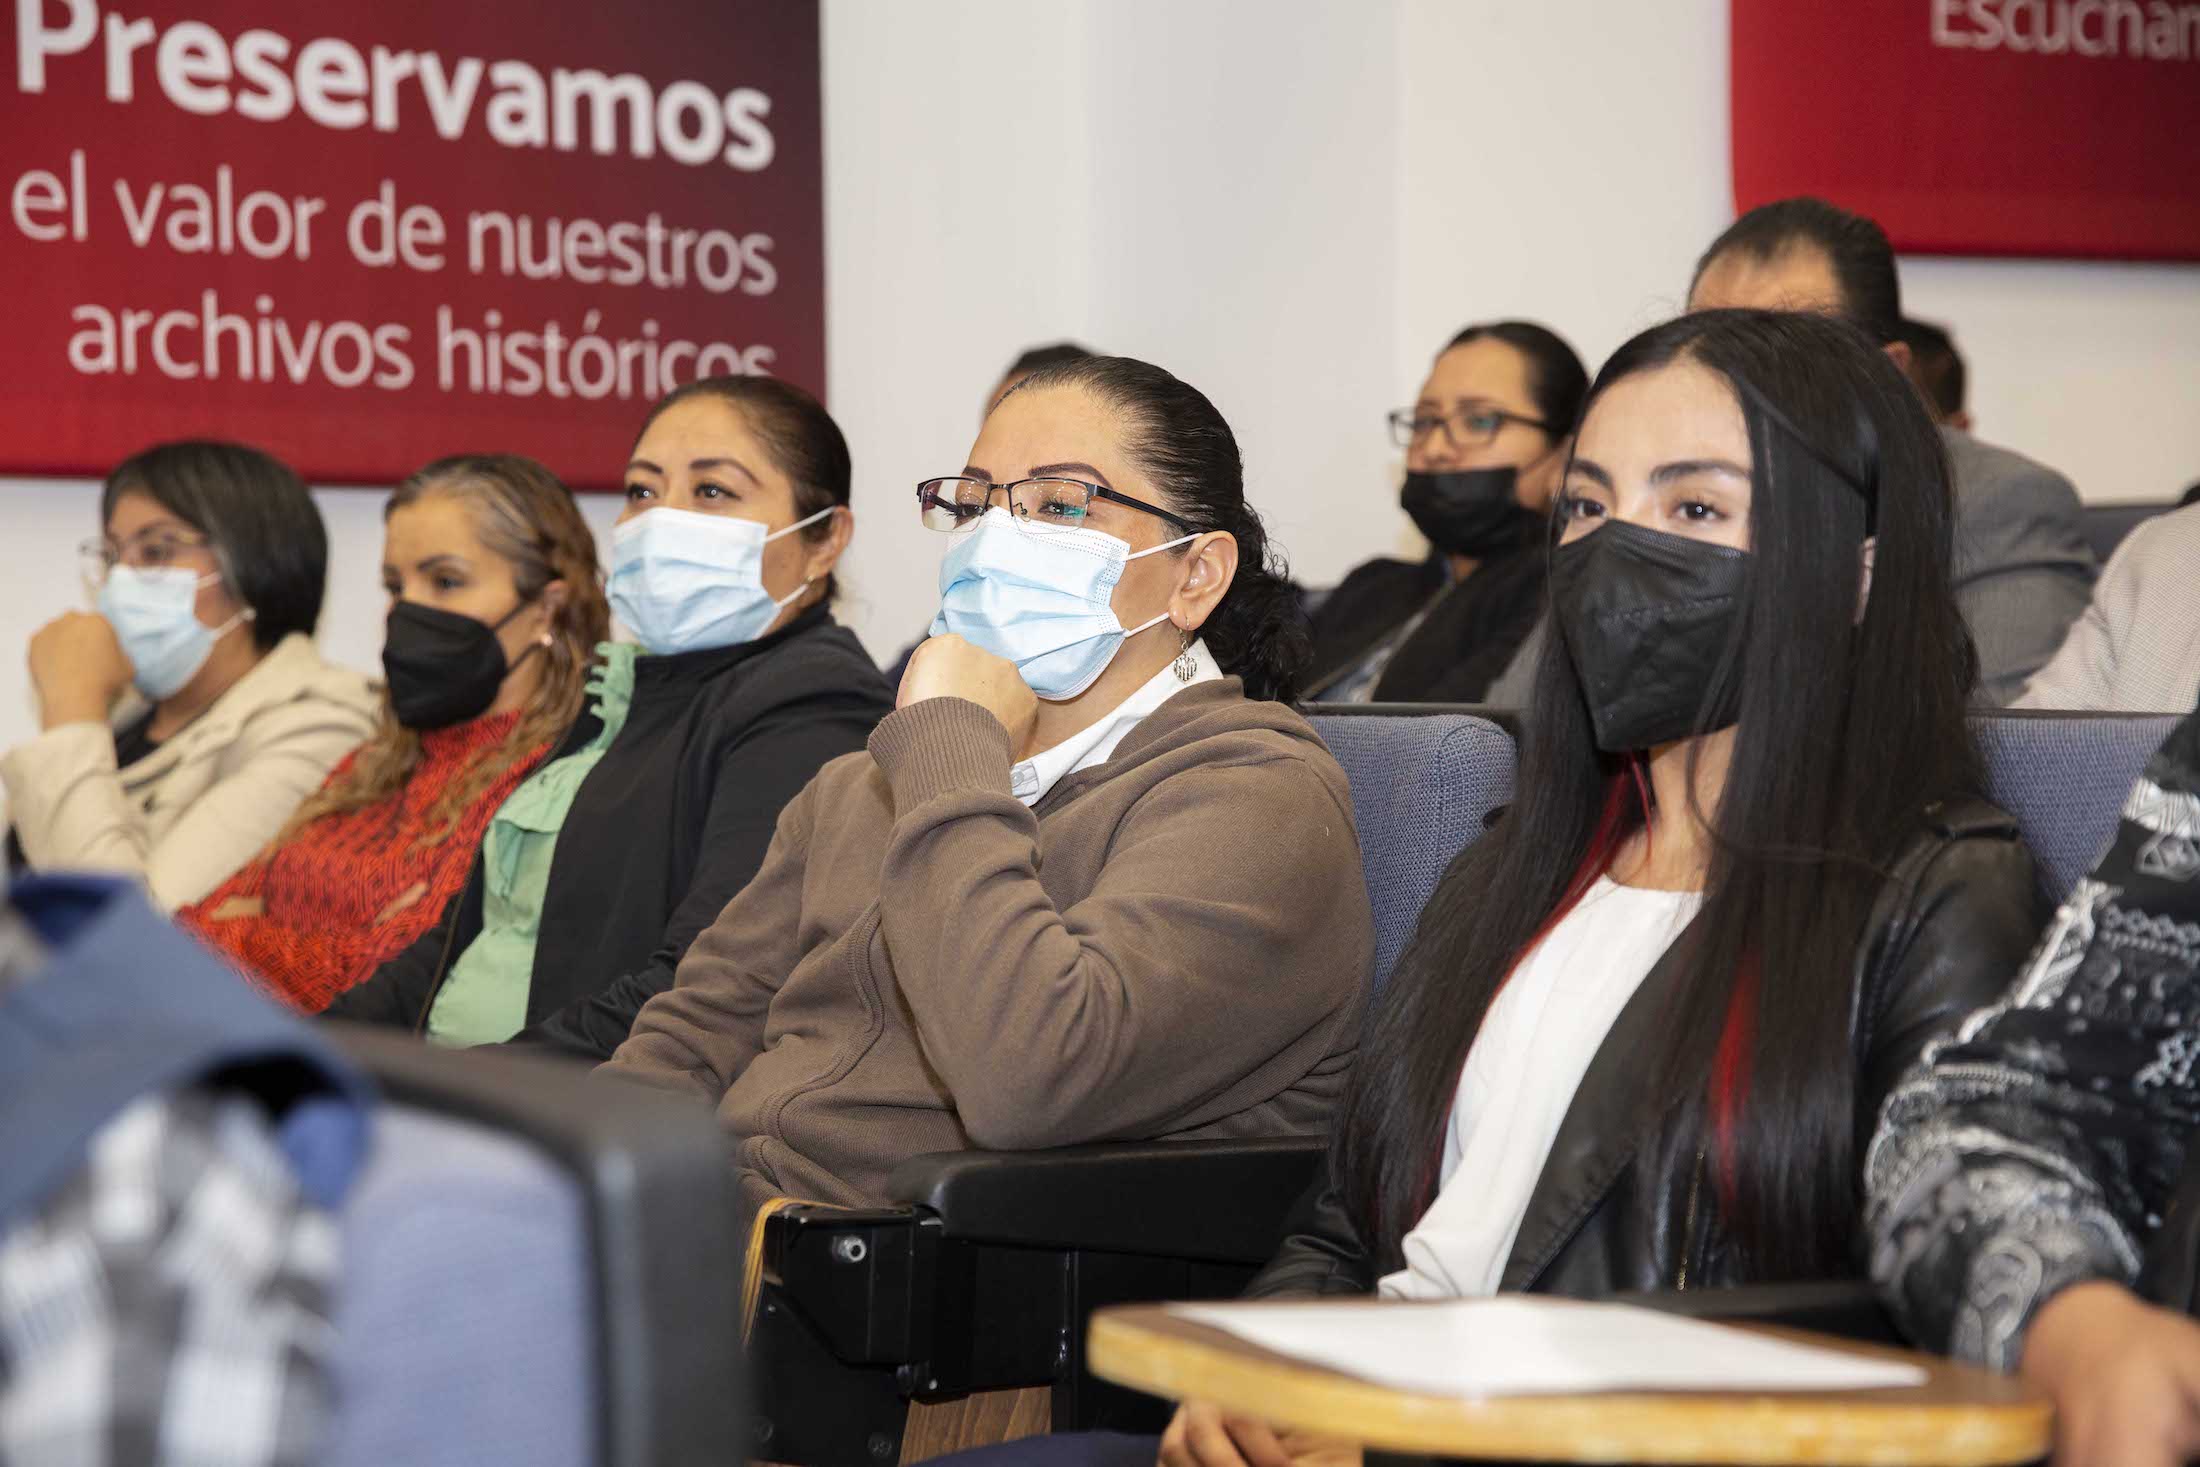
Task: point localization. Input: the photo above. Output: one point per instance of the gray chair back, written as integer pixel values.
(1422, 788)
(2106, 525)
(465, 1318)
(2064, 777)
(540, 1267)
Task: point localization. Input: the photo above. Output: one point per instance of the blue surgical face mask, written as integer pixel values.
(684, 581)
(154, 612)
(1038, 595)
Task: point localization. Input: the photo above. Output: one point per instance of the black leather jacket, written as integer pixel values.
(1954, 921)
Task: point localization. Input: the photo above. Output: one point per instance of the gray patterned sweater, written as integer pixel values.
(2038, 1146)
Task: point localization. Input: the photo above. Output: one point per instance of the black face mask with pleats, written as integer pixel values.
(1647, 618)
(1469, 511)
(443, 667)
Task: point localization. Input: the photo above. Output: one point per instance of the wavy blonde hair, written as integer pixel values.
(526, 518)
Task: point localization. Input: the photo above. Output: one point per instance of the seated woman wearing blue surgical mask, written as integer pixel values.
(596, 874)
(183, 723)
(1092, 880)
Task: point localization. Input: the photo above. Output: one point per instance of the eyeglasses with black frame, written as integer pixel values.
(955, 503)
(1470, 425)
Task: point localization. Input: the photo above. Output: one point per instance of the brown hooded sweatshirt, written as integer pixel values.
(1172, 943)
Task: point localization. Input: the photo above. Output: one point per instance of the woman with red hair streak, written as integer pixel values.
(1647, 1021)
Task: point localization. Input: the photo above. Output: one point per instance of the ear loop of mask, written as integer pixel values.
(796, 593)
(799, 524)
(245, 614)
(1156, 550)
(1868, 492)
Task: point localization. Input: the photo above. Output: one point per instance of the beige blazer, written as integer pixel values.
(2137, 647)
(186, 816)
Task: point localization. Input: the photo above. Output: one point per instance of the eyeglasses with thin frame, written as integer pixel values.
(154, 549)
(1473, 425)
(955, 503)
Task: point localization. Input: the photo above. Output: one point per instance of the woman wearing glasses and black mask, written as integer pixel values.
(1647, 1021)
(1484, 444)
(182, 722)
(1092, 880)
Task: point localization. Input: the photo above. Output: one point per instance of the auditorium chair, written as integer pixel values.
(538, 1268)
(2106, 525)
(990, 1263)
(957, 1315)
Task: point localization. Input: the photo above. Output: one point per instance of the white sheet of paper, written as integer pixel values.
(1521, 1345)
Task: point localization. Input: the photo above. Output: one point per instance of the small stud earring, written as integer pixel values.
(1186, 666)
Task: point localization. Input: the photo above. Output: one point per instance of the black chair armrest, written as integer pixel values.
(1220, 1201)
(661, 1208)
(1845, 1307)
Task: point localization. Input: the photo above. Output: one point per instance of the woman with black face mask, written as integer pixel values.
(1647, 1021)
(1484, 444)
(495, 609)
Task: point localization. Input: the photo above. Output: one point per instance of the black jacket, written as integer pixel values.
(673, 821)
(1956, 919)
(1468, 637)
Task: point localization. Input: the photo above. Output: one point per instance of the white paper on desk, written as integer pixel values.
(1517, 1345)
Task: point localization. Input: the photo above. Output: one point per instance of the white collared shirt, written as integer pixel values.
(1031, 779)
(1544, 1028)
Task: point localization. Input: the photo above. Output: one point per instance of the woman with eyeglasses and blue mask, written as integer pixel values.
(1092, 879)
(185, 720)
(1484, 442)
(596, 874)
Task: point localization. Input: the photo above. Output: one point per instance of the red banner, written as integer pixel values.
(2060, 128)
(366, 235)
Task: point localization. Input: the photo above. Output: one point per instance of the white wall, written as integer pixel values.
(1212, 186)
(1566, 160)
(1291, 203)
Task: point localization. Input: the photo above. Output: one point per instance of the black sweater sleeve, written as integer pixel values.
(759, 772)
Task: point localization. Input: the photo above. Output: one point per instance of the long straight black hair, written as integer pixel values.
(1848, 728)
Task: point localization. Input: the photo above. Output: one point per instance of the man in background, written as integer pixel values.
(1937, 369)
(2023, 567)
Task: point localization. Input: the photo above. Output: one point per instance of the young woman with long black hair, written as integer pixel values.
(1648, 1019)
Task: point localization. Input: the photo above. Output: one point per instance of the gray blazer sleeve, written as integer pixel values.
(1517, 682)
(2023, 568)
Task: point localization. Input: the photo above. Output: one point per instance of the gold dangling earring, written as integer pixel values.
(1186, 667)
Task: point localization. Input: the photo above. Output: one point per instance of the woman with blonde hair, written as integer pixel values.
(495, 609)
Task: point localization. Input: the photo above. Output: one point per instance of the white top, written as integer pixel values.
(1546, 1024)
(1031, 779)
